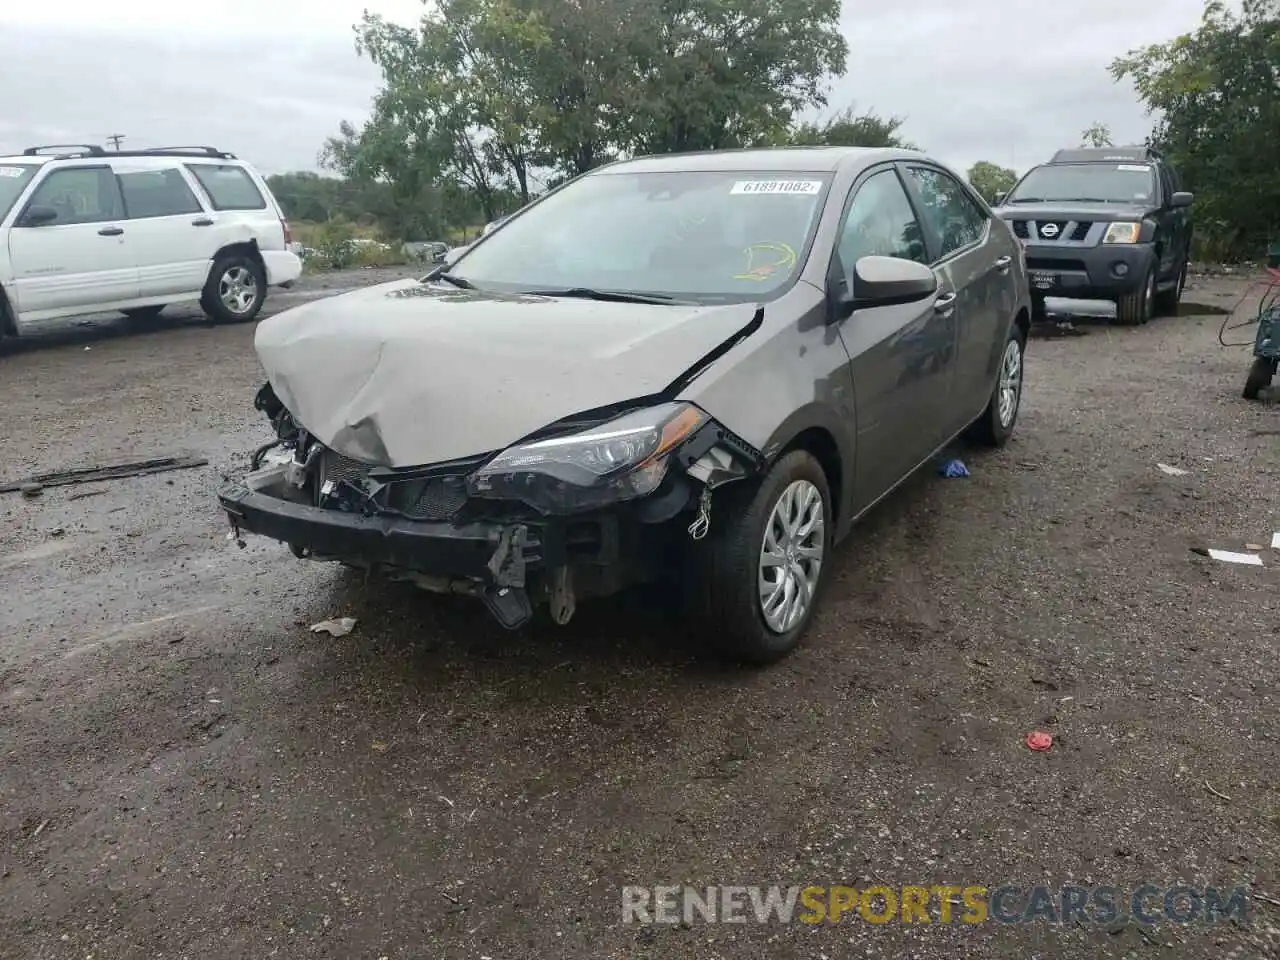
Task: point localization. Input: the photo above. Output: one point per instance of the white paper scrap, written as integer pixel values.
(1275, 541)
(1172, 471)
(1226, 556)
(335, 628)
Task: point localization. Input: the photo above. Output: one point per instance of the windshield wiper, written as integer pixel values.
(608, 296)
(462, 282)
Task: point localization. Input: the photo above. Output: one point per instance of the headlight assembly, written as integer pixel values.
(1122, 233)
(609, 463)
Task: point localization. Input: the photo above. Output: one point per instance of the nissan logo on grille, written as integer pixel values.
(1049, 230)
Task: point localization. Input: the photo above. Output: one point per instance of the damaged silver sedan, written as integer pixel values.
(694, 369)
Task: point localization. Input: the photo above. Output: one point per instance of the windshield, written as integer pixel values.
(14, 178)
(1087, 182)
(702, 236)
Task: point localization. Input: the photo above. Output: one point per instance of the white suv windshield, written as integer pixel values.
(1087, 183)
(14, 178)
(687, 235)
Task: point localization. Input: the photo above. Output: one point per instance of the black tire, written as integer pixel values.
(991, 429)
(230, 281)
(1260, 375)
(726, 565)
(1039, 310)
(1134, 309)
(143, 313)
(1166, 302)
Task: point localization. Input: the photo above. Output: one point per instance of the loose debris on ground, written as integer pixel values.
(186, 772)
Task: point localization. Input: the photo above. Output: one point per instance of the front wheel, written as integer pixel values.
(765, 561)
(1167, 302)
(996, 424)
(235, 290)
(1135, 308)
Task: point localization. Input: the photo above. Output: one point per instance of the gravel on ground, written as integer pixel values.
(188, 771)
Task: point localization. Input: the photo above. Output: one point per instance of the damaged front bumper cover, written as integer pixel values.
(487, 559)
(513, 544)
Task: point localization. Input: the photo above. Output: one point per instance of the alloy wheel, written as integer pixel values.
(791, 556)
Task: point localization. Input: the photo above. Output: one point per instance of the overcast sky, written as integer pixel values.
(1002, 80)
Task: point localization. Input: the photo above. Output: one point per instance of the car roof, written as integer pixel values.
(1134, 154)
(781, 159)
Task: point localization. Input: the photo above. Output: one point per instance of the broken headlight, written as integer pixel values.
(615, 461)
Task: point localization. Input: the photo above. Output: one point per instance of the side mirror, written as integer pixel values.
(1181, 199)
(885, 282)
(38, 216)
(999, 197)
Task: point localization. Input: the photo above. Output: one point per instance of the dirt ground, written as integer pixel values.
(189, 772)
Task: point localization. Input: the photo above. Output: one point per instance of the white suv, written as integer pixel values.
(83, 230)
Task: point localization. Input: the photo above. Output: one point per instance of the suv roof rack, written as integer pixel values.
(67, 150)
(1140, 154)
(172, 151)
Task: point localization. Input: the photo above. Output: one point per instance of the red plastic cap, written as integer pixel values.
(1039, 740)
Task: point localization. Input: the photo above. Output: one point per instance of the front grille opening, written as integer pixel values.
(1020, 229)
(1052, 263)
(1081, 232)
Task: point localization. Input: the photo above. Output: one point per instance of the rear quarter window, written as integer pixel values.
(229, 187)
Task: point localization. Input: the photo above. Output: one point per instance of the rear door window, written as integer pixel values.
(157, 193)
(229, 187)
(79, 195)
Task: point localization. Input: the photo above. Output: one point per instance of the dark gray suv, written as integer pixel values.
(696, 369)
(1107, 223)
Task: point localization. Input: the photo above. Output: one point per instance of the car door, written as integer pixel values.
(169, 231)
(78, 259)
(974, 258)
(1178, 221)
(899, 355)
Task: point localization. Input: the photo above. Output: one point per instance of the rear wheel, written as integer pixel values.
(236, 289)
(1135, 308)
(761, 569)
(1260, 375)
(996, 424)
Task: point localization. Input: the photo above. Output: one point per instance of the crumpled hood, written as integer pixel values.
(406, 373)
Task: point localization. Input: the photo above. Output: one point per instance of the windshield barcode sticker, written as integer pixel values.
(1133, 167)
(802, 187)
(12, 171)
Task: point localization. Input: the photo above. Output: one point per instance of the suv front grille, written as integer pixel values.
(1079, 230)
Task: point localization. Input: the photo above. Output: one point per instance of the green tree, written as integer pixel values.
(484, 92)
(848, 128)
(727, 73)
(989, 179)
(1216, 92)
(1097, 134)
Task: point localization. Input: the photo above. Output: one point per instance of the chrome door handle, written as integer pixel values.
(944, 303)
(110, 232)
(1003, 263)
